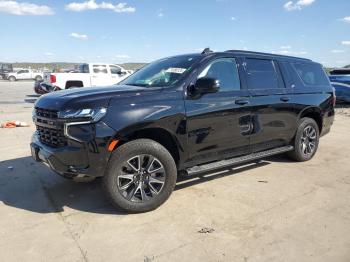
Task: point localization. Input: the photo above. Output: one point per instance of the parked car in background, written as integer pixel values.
(340, 80)
(93, 74)
(191, 114)
(24, 74)
(4, 69)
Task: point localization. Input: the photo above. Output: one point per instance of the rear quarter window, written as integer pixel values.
(311, 74)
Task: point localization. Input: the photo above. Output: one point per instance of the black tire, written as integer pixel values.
(121, 157)
(12, 78)
(302, 145)
(38, 78)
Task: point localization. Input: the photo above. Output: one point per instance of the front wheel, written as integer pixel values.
(306, 140)
(12, 78)
(140, 176)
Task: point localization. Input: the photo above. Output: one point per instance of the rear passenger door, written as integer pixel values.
(273, 117)
(218, 123)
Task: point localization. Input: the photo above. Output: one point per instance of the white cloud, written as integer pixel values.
(121, 56)
(346, 19)
(79, 36)
(285, 47)
(345, 42)
(15, 8)
(92, 5)
(298, 5)
(160, 13)
(233, 18)
(48, 54)
(336, 51)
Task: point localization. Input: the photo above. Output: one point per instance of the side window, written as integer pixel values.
(261, 74)
(20, 72)
(100, 69)
(115, 70)
(84, 68)
(25, 71)
(225, 70)
(311, 74)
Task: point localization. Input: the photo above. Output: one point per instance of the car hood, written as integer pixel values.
(88, 97)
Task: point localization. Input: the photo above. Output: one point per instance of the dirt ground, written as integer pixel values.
(275, 210)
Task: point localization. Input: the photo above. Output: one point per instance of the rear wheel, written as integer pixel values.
(306, 140)
(12, 78)
(140, 176)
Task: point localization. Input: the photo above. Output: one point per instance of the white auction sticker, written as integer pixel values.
(175, 70)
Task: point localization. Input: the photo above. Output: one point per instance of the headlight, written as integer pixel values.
(92, 115)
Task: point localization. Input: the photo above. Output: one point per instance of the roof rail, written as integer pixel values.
(266, 54)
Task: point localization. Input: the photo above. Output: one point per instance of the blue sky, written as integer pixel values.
(141, 31)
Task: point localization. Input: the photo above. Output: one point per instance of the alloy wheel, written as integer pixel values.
(308, 140)
(142, 178)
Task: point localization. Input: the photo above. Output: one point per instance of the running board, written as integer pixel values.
(237, 160)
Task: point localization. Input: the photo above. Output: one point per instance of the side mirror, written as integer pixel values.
(207, 85)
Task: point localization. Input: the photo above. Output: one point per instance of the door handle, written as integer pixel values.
(285, 99)
(241, 102)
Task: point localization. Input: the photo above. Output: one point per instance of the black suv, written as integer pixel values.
(190, 114)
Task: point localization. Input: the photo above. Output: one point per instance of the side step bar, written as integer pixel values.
(237, 160)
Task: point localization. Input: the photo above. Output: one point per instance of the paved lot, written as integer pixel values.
(273, 211)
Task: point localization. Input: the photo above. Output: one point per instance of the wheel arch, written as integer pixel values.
(313, 113)
(158, 134)
(74, 83)
(8, 77)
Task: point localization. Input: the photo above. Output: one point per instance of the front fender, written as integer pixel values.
(161, 109)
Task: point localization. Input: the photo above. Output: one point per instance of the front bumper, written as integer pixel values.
(87, 158)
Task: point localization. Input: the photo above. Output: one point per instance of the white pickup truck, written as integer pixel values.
(24, 74)
(92, 74)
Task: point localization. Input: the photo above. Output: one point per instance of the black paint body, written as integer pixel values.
(195, 129)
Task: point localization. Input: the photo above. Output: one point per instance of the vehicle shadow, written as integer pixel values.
(31, 186)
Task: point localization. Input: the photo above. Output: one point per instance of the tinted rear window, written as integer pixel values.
(261, 74)
(311, 74)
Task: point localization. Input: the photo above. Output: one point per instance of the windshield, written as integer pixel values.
(162, 73)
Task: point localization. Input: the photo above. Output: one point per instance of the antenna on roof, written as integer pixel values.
(206, 51)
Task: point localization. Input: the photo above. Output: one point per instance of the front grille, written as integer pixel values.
(49, 129)
(51, 114)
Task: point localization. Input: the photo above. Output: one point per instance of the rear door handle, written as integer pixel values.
(285, 99)
(241, 102)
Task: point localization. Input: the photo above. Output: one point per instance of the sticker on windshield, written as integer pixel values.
(175, 70)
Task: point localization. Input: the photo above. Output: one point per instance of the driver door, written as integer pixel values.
(218, 124)
(116, 74)
(23, 74)
(99, 76)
